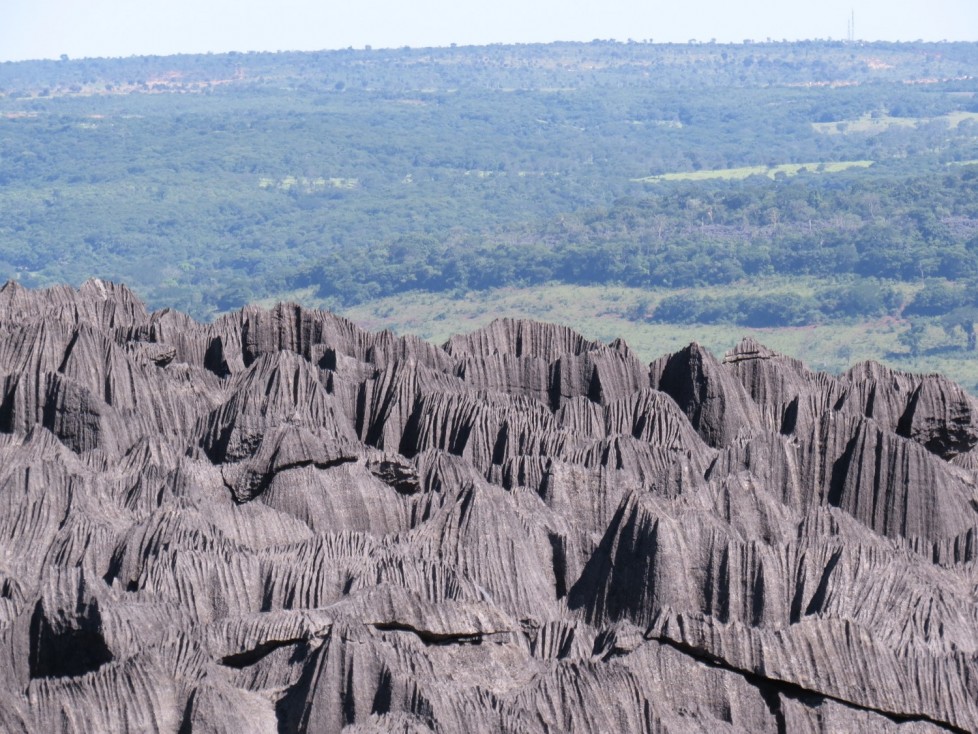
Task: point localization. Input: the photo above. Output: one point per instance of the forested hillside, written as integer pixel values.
(342, 177)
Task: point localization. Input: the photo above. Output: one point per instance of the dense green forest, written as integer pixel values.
(208, 181)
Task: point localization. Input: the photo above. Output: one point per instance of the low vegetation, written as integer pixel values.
(729, 174)
(608, 312)
(814, 188)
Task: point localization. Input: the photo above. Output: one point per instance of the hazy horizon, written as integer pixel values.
(46, 29)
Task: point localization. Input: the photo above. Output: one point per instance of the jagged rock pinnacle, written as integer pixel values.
(280, 522)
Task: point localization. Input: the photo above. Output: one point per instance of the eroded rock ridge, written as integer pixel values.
(280, 522)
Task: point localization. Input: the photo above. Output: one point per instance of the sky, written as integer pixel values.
(33, 29)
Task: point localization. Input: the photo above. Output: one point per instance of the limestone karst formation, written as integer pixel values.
(280, 522)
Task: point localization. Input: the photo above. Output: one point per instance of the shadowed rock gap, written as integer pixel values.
(771, 689)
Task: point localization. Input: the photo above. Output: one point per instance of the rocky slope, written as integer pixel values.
(281, 522)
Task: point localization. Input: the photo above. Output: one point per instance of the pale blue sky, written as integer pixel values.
(49, 28)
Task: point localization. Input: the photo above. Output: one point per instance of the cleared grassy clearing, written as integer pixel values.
(307, 184)
(956, 118)
(788, 169)
(881, 123)
(605, 313)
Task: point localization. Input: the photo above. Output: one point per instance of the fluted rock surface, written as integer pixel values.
(280, 522)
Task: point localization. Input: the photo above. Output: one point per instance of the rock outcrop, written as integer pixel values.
(280, 522)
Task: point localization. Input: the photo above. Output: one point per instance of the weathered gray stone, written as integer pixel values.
(280, 522)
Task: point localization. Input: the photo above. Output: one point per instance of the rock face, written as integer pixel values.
(280, 522)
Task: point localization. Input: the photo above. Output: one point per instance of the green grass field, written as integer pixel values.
(881, 123)
(788, 169)
(605, 313)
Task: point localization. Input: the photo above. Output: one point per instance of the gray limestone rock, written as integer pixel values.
(280, 522)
